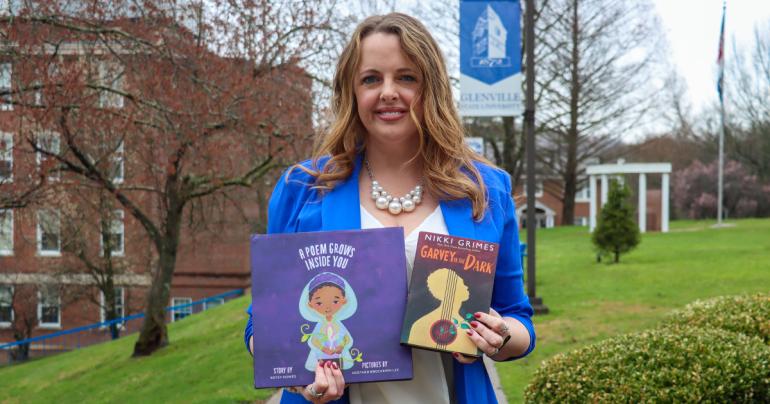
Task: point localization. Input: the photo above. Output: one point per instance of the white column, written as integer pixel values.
(642, 202)
(605, 188)
(592, 203)
(664, 204)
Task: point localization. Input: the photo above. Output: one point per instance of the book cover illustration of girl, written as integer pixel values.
(327, 300)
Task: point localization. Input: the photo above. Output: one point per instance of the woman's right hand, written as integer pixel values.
(329, 383)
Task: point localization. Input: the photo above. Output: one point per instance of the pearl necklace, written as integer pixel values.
(383, 200)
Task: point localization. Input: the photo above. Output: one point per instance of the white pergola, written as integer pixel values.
(605, 171)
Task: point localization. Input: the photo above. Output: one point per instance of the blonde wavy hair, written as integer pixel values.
(449, 172)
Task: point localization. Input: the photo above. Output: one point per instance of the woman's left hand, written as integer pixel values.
(489, 332)
(329, 384)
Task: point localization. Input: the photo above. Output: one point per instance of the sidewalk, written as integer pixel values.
(495, 379)
(488, 363)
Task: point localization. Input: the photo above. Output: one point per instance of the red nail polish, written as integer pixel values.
(456, 355)
(477, 315)
(474, 324)
(334, 365)
(470, 332)
(326, 364)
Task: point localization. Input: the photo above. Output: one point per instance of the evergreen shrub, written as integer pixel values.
(694, 365)
(617, 232)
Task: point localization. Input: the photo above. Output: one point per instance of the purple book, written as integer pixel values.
(338, 296)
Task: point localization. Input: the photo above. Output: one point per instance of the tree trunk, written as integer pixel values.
(570, 172)
(509, 143)
(114, 331)
(617, 256)
(21, 353)
(110, 310)
(154, 335)
(112, 314)
(520, 163)
(568, 198)
(262, 202)
(513, 150)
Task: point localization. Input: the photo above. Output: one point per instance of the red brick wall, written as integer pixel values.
(551, 197)
(210, 261)
(654, 207)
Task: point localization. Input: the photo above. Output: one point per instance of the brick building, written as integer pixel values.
(549, 204)
(46, 245)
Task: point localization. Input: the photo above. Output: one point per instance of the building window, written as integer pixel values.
(6, 232)
(583, 194)
(117, 164)
(111, 77)
(581, 221)
(6, 157)
(5, 87)
(49, 144)
(182, 312)
(38, 94)
(48, 232)
(113, 234)
(119, 306)
(538, 189)
(6, 305)
(210, 304)
(49, 82)
(49, 307)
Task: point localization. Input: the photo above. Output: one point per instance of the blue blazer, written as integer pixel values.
(295, 207)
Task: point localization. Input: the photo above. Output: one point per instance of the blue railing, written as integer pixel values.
(74, 338)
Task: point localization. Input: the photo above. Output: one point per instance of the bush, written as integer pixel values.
(749, 315)
(666, 365)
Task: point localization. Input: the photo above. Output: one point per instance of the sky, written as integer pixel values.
(692, 28)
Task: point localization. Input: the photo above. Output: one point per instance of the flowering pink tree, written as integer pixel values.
(695, 191)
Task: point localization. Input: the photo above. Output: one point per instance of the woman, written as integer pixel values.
(396, 133)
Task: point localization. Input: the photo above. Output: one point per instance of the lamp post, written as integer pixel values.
(529, 127)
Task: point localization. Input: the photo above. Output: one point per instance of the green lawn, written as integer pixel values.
(206, 361)
(589, 302)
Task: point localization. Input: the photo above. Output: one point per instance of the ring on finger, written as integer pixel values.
(313, 393)
(504, 329)
(494, 352)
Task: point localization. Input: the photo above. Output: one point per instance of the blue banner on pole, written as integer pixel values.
(490, 58)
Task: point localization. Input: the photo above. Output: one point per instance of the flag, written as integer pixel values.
(721, 56)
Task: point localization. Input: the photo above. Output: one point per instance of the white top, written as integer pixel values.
(430, 382)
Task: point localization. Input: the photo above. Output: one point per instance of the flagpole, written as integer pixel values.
(720, 88)
(720, 196)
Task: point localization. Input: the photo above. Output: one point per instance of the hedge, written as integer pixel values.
(749, 315)
(665, 365)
